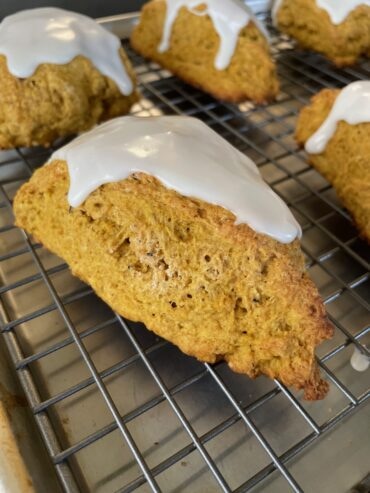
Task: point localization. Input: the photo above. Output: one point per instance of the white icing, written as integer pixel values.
(338, 10)
(359, 361)
(51, 35)
(228, 17)
(185, 155)
(352, 106)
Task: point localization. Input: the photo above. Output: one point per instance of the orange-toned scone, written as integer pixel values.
(57, 99)
(216, 289)
(345, 161)
(193, 48)
(313, 27)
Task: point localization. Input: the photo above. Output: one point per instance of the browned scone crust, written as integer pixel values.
(345, 163)
(193, 48)
(312, 27)
(57, 101)
(182, 267)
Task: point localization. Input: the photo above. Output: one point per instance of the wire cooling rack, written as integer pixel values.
(120, 410)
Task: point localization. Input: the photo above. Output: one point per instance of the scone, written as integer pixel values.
(61, 73)
(335, 130)
(216, 46)
(131, 220)
(339, 30)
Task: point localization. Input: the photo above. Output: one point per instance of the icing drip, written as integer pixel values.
(228, 17)
(338, 10)
(185, 155)
(359, 361)
(352, 106)
(51, 35)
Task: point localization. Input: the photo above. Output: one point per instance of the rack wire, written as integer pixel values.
(121, 410)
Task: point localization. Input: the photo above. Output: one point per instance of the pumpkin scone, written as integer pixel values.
(339, 30)
(335, 130)
(175, 228)
(215, 45)
(61, 73)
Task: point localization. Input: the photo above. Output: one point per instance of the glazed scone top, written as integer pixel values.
(51, 35)
(228, 17)
(338, 10)
(186, 156)
(352, 106)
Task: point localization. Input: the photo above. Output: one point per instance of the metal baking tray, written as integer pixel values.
(120, 410)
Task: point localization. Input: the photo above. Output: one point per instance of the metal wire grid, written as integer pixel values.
(330, 241)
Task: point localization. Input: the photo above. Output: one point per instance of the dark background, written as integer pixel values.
(96, 8)
(93, 8)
